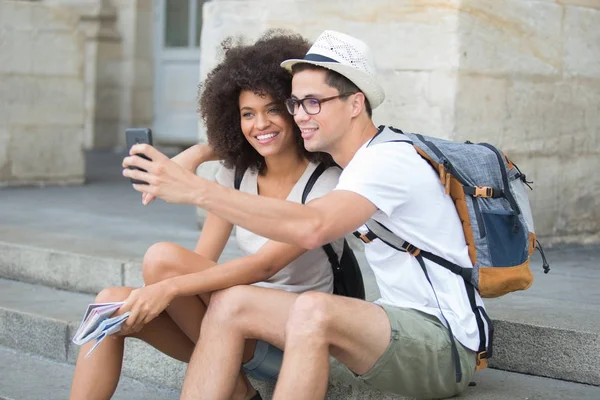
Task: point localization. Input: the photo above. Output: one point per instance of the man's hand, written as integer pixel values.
(145, 304)
(166, 179)
(189, 159)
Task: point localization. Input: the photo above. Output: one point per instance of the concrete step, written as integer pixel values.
(41, 321)
(553, 329)
(88, 265)
(543, 331)
(75, 263)
(28, 377)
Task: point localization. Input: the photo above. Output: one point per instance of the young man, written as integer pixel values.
(400, 343)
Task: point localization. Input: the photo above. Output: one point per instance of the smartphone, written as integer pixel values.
(135, 136)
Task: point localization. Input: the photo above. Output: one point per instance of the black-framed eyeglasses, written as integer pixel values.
(311, 105)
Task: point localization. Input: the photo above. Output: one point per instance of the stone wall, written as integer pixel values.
(135, 95)
(102, 69)
(119, 67)
(529, 81)
(522, 74)
(41, 95)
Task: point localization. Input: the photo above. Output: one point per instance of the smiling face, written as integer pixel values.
(266, 125)
(322, 131)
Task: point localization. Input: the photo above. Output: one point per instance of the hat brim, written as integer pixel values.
(372, 90)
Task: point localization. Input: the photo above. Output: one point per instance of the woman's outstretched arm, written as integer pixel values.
(148, 302)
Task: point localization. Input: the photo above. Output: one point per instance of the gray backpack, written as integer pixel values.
(489, 193)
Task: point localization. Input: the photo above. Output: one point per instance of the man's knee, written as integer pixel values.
(310, 315)
(115, 293)
(157, 265)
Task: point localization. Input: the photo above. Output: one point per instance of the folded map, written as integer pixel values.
(97, 324)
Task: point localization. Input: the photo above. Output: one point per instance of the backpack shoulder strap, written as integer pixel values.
(381, 232)
(237, 180)
(388, 134)
(312, 180)
(333, 258)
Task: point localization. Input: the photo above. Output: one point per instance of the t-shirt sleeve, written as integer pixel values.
(385, 174)
(225, 176)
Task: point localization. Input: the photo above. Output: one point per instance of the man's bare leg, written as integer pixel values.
(233, 315)
(355, 332)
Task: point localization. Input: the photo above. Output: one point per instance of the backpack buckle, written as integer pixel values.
(364, 238)
(483, 191)
(412, 250)
(481, 361)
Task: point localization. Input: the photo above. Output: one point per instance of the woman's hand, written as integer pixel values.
(188, 159)
(145, 304)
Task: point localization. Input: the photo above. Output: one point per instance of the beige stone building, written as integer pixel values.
(522, 74)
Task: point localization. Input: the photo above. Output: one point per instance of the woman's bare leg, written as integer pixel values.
(166, 260)
(97, 376)
(173, 332)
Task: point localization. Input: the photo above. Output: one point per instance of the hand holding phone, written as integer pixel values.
(135, 136)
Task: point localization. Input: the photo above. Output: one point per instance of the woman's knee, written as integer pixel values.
(310, 315)
(111, 294)
(158, 264)
(228, 305)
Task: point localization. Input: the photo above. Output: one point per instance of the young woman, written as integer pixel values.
(242, 104)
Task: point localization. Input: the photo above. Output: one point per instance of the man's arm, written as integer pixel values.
(308, 226)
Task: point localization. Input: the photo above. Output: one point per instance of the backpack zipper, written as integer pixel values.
(447, 165)
(507, 193)
(477, 210)
(541, 250)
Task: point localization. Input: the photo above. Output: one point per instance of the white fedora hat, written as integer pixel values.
(347, 56)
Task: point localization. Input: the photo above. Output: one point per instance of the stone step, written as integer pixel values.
(542, 331)
(74, 263)
(29, 377)
(41, 321)
(553, 329)
(88, 265)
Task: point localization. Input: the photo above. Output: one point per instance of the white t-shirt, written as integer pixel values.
(310, 271)
(411, 203)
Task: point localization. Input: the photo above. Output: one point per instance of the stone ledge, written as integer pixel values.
(44, 321)
(62, 270)
(570, 355)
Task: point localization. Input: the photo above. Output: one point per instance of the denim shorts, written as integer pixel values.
(265, 364)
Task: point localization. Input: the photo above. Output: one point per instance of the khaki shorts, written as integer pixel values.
(418, 361)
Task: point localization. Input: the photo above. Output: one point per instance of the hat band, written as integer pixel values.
(319, 58)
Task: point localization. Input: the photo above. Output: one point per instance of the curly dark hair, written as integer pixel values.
(257, 68)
